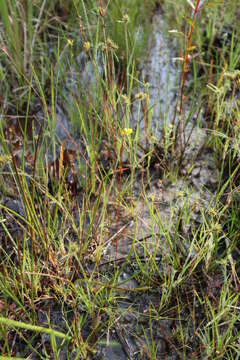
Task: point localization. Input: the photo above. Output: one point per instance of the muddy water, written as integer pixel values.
(159, 78)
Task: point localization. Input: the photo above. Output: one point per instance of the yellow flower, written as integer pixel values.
(70, 42)
(86, 45)
(126, 132)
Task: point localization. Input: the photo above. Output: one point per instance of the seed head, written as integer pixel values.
(111, 44)
(101, 12)
(126, 100)
(141, 96)
(126, 19)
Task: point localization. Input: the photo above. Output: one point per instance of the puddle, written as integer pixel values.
(161, 74)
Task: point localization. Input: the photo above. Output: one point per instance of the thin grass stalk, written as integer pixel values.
(145, 112)
(184, 73)
(187, 56)
(119, 196)
(109, 74)
(36, 28)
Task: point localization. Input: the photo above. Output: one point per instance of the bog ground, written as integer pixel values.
(119, 179)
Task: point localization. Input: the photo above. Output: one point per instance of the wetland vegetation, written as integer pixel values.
(119, 179)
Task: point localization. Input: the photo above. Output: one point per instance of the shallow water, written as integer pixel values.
(160, 77)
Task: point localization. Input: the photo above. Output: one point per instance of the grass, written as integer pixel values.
(104, 243)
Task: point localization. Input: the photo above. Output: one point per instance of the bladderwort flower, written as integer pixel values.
(86, 45)
(70, 42)
(127, 132)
